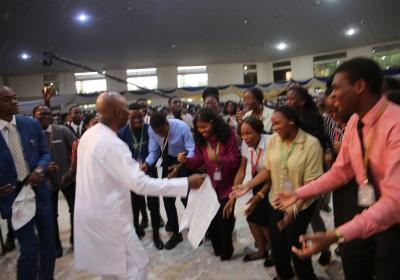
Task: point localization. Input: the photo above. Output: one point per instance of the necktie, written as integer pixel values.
(48, 138)
(14, 144)
(78, 132)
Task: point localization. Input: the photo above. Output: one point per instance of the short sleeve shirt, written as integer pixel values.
(305, 162)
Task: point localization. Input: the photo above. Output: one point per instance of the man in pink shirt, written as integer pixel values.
(370, 152)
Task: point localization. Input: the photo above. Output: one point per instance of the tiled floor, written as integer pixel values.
(183, 262)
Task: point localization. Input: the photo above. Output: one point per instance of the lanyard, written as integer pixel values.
(165, 145)
(371, 137)
(285, 154)
(135, 142)
(254, 165)
(209, 149)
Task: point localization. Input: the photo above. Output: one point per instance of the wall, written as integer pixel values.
(29, 86)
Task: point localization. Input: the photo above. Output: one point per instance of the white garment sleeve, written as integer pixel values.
(125, 169)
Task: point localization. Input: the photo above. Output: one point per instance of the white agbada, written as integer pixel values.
(104, 237)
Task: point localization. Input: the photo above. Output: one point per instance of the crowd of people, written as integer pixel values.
(113, 165)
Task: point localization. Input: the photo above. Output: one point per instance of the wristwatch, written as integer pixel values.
(40, 171)
(339, 236)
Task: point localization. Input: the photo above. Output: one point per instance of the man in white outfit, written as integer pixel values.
(105, 240)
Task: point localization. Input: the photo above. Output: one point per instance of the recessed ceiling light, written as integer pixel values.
(173, 46)
(82, 17)
(351, 31)
(245, 21)
(281, 46)
(24, 56)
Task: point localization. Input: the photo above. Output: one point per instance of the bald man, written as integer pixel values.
(105, 240)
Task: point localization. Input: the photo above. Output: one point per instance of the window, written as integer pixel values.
(388, 57)
(144, 77)
(282, 70)
(326, 69)
(192, 76)
(326, 64)
(89, 82)
(250, 74)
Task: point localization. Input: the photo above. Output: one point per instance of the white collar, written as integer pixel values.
(261, 144)
(4, 123)
(75, 127)
(48, 129)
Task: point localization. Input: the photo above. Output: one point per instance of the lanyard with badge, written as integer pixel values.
(366, 191)
(254, 165)
(160, 160)
(286, 183)
(217, 172)
(137, 145)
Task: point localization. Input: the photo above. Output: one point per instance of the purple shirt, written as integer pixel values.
(229, 157)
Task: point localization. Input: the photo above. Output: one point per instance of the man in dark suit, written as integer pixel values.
(60, 140)
(136, 135)
(75, 120)
(24, 159)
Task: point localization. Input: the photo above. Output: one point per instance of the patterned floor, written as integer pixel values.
(183, 262)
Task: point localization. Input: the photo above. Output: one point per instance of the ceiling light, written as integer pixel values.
(245, 21)
(82, 17)
(351, 31)
(173, 46)
(281, 46)
(24, 56)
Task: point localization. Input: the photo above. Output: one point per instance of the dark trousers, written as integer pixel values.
(169, 202)
(153, 203)
(69, 194)
(37, 249)
(10, 233)
(378, 255)
(282, 241)
(220, 232)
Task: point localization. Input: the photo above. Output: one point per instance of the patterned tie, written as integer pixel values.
(14, 144)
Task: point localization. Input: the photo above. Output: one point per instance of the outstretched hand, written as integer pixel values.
(314, 243)
(239, 190)
(284, 200)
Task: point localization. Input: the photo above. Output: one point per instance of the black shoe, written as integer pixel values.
(144, 224)
(9, 245)
(158, 243)
(325, 258)
(161, 222)
(59, 252)
(140, 232)
(174, 240)
(168, 228)
(268, 262)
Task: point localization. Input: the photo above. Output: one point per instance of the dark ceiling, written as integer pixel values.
(125, 34)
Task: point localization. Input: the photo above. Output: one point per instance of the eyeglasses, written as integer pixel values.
(44, 114)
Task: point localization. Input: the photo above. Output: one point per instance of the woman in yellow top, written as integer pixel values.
(294, 158)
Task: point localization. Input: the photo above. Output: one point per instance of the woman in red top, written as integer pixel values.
(217, 149)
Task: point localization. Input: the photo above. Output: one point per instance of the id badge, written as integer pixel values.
(217, 175)
(366, 195)
(288, 186)
(159, 172)
(159, 168)
(159, 163)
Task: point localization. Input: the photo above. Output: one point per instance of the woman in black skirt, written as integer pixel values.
(253, 152)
